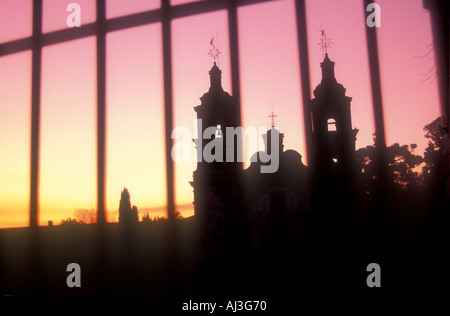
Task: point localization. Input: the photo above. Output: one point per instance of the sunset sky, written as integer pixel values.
(135, 117)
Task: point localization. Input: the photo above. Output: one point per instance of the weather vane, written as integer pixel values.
(325, 42)
(214, 52)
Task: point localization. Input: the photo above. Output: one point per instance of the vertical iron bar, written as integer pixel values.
(168, 104)
(172, 267)
(234, 58)
(35, 112)
(101, 266)
(241, 231)
(34, 251)
(101, 111)
(372, 48)
(304, 74)
(439, 12)
(381, 220)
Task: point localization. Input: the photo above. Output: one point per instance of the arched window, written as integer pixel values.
(331, 125)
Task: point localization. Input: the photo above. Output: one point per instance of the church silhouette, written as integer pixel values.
(298, 212)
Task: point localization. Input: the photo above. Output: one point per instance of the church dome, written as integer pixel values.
(292, 157)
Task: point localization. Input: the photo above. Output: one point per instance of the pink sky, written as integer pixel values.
(135, 146)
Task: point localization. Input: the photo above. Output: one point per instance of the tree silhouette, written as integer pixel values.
(135, 213)
(147, 219)
(178, 215)
(127, 214)
(86, 216)
(437, 134)
(401, 162)
(69, 221)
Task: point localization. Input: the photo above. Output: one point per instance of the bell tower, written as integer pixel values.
(216, 195)
(336, 198)
(332, 133)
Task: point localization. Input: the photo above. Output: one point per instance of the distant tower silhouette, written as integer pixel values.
(272, 116)
(273, 133)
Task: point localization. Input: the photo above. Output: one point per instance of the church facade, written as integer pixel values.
(249, 211)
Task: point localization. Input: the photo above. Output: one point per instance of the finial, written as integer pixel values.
(272, 116)
(324, 42)
(214, 52)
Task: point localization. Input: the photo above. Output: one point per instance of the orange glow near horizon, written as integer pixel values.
(269, 70)
(15, 90)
